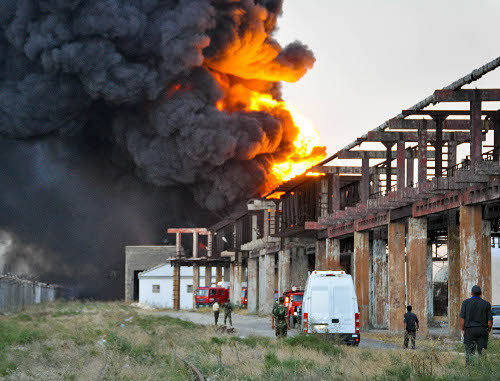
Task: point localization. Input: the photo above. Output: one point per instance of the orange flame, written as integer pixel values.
(306, 144)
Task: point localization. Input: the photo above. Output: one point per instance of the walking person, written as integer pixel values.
(280, 318)
(411, 327)
(215, 308)
(228, 309)
(476, 321)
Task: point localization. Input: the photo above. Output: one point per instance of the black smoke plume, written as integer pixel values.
(109, 129)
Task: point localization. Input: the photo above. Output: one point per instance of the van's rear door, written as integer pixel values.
(343, 307)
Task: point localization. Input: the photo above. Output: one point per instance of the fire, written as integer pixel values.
(307, 151)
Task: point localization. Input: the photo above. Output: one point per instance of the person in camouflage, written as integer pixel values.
(228, 308)
(280, 318)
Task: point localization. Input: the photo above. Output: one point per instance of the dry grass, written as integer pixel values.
(85, 341)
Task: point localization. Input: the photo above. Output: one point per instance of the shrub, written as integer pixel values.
(315, 342)
(149, 322)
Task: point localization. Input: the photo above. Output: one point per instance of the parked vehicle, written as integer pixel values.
(330, 306)
(244, 296)
(206, 296)
(496, 317)
(293, 303)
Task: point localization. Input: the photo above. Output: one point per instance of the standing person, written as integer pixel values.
(476, 321)
(228, 308)
(411, 327)
(215, 308)
(280, 318)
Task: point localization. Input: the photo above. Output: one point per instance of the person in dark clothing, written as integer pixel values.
(476, 321)
(411, 327)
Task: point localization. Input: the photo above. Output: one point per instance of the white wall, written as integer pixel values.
(163, 276)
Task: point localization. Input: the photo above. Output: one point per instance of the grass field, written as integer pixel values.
(113, 341)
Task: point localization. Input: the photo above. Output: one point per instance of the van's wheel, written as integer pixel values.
(292, 322)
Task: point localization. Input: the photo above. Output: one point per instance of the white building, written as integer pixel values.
(156, 286)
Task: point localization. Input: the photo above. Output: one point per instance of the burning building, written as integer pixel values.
(118, 117)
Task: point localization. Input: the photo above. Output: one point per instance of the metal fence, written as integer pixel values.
(15, 293)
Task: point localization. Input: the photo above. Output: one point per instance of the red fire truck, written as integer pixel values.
(244, 296)
(293, 303)
(206, 296)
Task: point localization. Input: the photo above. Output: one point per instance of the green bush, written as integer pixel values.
(317, 342)
(149, 322)
(271, 360)
(13, 333)
(6, 366)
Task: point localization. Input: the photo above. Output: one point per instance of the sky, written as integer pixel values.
(375, 58)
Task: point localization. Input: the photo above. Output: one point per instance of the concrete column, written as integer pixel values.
(176, 286)
(266, 283)
(320, 256)
(400, 165)
(227, 276)
(422, 152)
(299, 267)
(208, 276)
(396, 271)
(253, 285)
(196, 281)
(362, 275)
(218, 274)
(475, 251)
(196, 245)
(236, 282)
(284, 271)
(333, 254)
(417, 284)
(380, 289)
(210, 244)
(454, 283)
(430, 286)
(178, 243)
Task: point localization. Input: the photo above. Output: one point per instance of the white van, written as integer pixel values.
(330, 306)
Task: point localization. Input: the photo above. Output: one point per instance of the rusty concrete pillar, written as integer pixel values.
(178, 244)
(452, 155)
(400, 165)
(396, 272)
(410, 177)
(266, 283)
(333, 254)
(485, 276)
(227, 273)
(362, 275)
(476, 127)
(475, 251)
(416, 283)
(376, 180)
(208, 276)
(438, 145)
(380, 287)
(320, 255)
(496, 137)
(335, 192)
(218, 274)
(196, 281)
(365, 180)
(422, 151)
(283, 271)
(176, 286)
(388, 165)
(454, 282)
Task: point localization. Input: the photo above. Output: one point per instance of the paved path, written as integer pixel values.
(247, 325)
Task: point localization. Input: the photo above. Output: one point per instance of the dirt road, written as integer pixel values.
(247, 325)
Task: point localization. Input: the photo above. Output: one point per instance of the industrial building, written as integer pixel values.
(423, 187)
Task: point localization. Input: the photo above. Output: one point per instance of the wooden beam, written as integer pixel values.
(487, 95)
